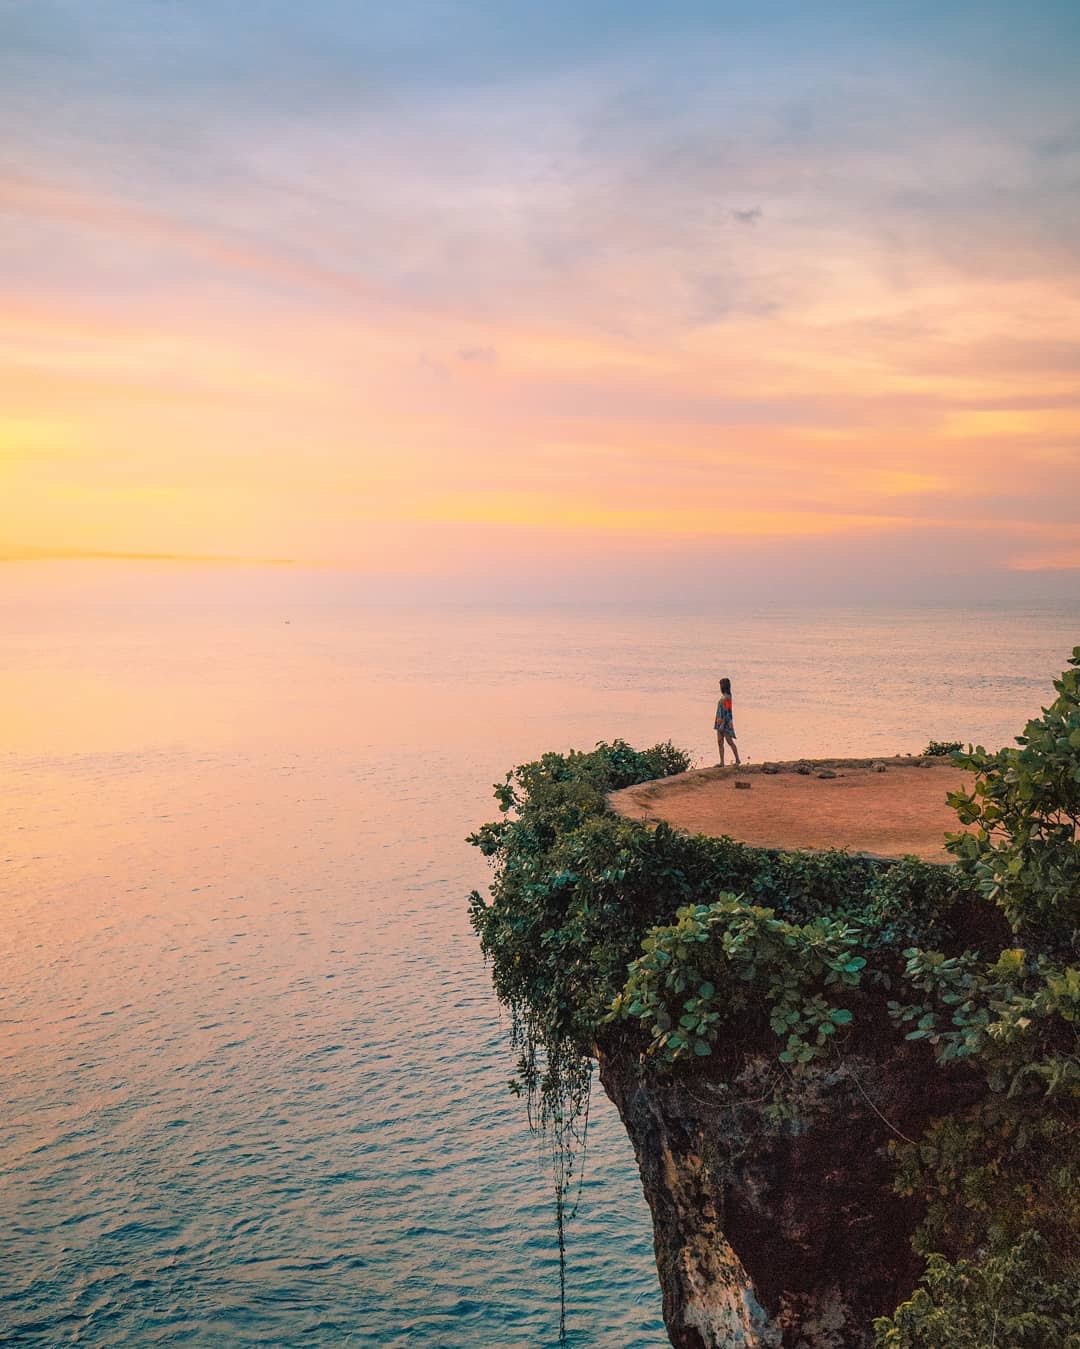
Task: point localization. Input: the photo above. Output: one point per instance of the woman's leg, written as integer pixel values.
(720, 745)
(734, 749)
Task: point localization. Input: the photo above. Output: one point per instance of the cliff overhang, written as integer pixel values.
(817, 1054)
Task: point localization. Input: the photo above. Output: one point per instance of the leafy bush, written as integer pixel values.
(720, 961)
(567, 905)
(1024, 849)
(1006, 1301)
(941, 749)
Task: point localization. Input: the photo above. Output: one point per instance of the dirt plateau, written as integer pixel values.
(893, 807)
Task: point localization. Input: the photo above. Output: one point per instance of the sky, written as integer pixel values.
(588, 297)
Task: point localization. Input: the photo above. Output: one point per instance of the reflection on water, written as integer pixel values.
(254, 1072)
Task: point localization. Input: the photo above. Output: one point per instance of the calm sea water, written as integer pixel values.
(253, 1074)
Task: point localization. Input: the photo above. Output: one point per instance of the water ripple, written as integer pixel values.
(254, 1072)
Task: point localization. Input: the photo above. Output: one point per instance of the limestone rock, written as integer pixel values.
(777, 1228)
(828, 773)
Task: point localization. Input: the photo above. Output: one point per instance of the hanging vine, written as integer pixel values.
(545, 930)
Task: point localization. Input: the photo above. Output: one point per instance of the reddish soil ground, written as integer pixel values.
(899, 812)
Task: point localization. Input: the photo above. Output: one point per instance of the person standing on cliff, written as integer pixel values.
(725, 723)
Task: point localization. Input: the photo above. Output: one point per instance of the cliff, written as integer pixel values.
(828, 1064)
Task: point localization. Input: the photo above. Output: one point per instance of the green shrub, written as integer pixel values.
(1003, 1301)
(941, 749)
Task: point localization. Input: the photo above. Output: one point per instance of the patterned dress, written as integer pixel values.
(724, 722)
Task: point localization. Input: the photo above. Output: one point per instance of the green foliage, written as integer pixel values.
(562, 921)
(573, 883)
(941, 749)
(1007, 1166)
(910, 901)
(1006, 1301)
(1022, 815)
(1003, 1175)
(1020, 1015)
(726, 964)
(988, 1174)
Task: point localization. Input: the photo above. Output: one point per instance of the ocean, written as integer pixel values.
(254, 1077)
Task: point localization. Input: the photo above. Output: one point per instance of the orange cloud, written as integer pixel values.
(224, 422)
(534, 510)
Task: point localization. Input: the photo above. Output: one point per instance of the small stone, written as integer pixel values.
(769, 768)
(741, 785)
(827, 773)
(804, 768)
(878, 767)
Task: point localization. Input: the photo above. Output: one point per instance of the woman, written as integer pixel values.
(725, 723)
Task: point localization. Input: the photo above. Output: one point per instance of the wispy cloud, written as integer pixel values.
(633, 274)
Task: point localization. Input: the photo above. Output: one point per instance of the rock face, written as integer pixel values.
(774, 1219)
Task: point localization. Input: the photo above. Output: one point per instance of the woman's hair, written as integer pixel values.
(725, 687)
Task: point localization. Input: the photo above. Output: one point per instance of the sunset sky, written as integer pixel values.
(575, 294)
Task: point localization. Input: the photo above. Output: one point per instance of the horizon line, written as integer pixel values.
(104, 555)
